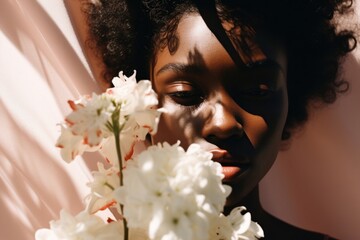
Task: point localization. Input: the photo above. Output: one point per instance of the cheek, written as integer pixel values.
(176, 124)
(266, 126)
(269, 145)
(165, 133)
(255, 128)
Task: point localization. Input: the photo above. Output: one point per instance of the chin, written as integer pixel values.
(244, 193)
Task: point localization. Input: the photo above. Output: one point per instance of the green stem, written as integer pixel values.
(116, 130)
(118, 152)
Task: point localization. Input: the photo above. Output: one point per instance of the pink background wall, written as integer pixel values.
(41, 66)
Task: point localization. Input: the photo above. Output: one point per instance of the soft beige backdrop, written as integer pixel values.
(41, 66)
(314, 185)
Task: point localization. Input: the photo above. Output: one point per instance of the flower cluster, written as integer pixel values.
(235, 226)
(129, 106)
(163, 192)
(177, 193)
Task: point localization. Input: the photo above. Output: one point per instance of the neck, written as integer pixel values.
(252, 204)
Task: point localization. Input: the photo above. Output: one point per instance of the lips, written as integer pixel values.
(232, 167)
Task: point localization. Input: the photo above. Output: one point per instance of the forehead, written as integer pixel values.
(197, 43)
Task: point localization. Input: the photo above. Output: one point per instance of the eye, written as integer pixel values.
(185, 94)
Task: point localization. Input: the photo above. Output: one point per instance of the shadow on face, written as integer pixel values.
(238, 114)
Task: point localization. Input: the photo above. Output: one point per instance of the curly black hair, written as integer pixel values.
(127, 33)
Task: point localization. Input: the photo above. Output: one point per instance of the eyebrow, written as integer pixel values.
(199, 69)
(182, 68)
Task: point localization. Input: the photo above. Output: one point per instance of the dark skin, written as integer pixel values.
(238, 114)
(210, 101)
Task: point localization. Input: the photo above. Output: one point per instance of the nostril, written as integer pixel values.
(223, 128)
(235, 145)
(217, 137)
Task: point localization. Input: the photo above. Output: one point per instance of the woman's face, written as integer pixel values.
(238, 114)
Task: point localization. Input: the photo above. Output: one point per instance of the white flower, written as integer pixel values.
(236, 226)
(102, 188)
(172, 192)
(89, 118)
(135, 129)
(133, 96)
(80, 227)
(85, 127)
(91, 124)
(70, 144)
(138, 114)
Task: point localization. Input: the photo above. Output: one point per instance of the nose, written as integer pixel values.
(223, 122)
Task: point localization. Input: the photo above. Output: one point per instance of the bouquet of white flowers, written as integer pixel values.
(163, 192)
